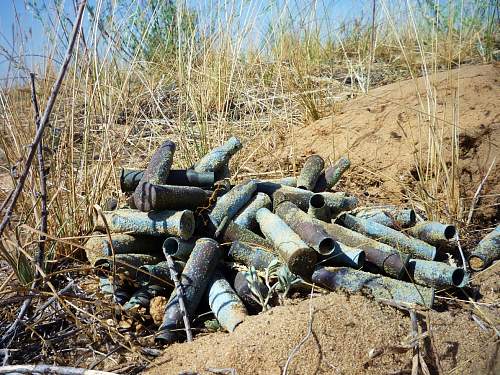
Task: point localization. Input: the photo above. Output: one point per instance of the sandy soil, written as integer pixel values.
(381, 133)
(384, 131)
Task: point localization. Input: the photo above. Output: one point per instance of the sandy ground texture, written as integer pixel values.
(381, 133)
(384, 131)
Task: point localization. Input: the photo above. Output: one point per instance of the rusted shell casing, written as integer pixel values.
(148, 197)
(345, 256)
(155, 223)
(194, 279)
(384, 257)
(230, 203)
(380, 287)
(128, 264)
(432, 232)
(129, 178)
(487, 251)
(178, 248)
(329, 178)
(160, 163)
(242, 289)
(297, 255)
(250, 256)
(158, 273)
(336, 202)
(339, 202)
(99, 245)
(437, 274)
(318, 208)
(333, 173)
(310, 232)
(235, 232)
(225, 303)
(299, 197)
(270, 186)
(219, 157)
(246, 216)
(390, 216)
(416, 248)
(310, 172)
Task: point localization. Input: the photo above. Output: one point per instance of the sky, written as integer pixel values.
(22, 34)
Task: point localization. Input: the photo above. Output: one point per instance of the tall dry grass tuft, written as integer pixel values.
(251, 69)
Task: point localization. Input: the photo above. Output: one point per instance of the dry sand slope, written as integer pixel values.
(380, 132)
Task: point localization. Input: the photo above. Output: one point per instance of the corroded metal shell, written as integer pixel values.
(380, 287)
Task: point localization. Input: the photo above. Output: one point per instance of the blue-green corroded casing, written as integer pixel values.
(385, 258)
(178, 248)
(159, 166)
(218, 158)
(437, 274)
(246, 216)
(230, 203)
(416, 248)
(487, 251)
(250, 256)
(378, 286)
(329, 178)
(154, 223)
(225, 303)
(432, 232)
(344, 255)
(310, 172)
(390, 216)
(99, 245)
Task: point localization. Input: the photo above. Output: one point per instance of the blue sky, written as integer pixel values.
(31, 43)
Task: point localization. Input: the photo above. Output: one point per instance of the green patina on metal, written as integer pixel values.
(310, 172)
(297, 255)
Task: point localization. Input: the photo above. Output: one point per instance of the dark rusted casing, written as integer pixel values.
(129, 178)
(301, 223)
(387, 259)
(194, 280)
(148, 197)
(160, 163)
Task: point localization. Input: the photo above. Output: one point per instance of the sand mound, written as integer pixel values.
(381, 133)
(384, 130)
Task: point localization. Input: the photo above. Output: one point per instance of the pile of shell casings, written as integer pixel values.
(213, 230)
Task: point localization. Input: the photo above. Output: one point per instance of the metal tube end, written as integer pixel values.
(477, 262)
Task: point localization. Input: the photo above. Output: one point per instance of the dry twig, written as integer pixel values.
(305, 338)
(40, 257)
(180, 296)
